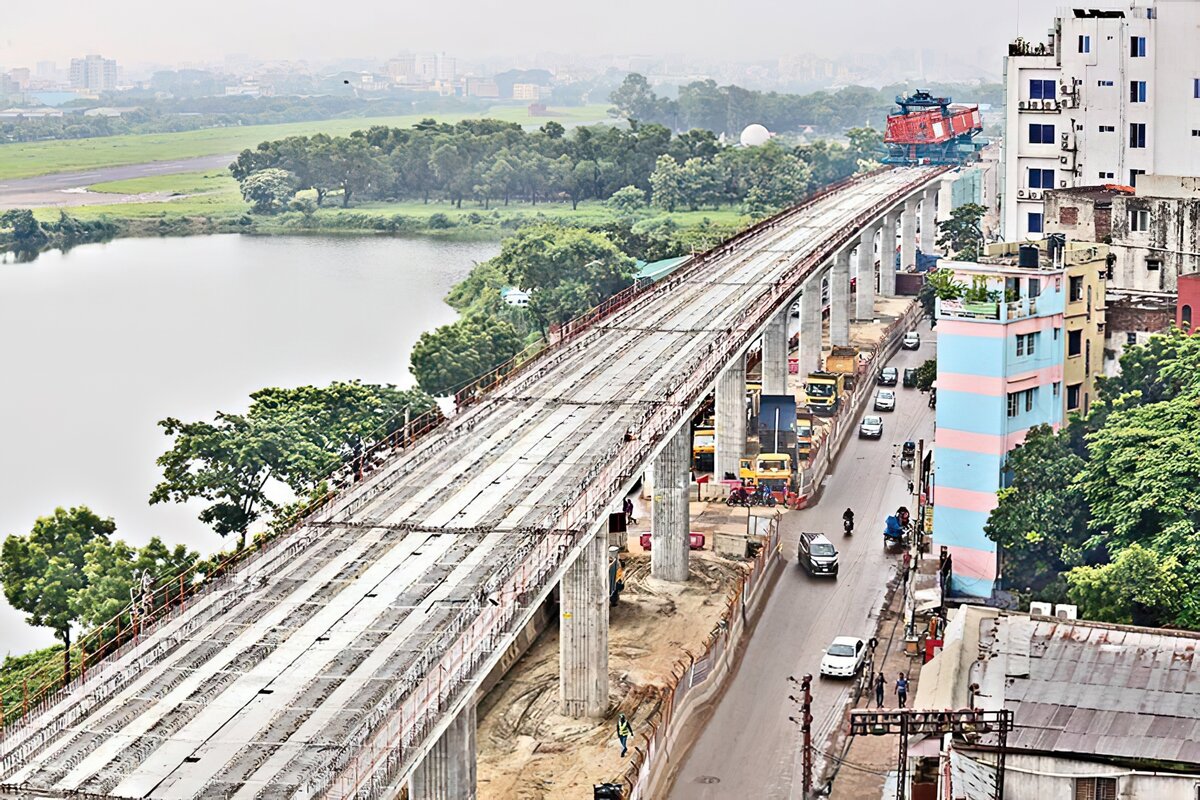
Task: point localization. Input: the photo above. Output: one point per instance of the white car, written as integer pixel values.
(871, 428)
(844, 658)
(885, 400)
(912, 341)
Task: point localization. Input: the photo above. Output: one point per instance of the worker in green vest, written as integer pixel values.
(624, 731)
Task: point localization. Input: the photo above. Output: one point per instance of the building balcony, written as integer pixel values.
(988, 311)
(1020, 47)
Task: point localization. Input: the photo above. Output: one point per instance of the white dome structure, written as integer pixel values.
(754, 135)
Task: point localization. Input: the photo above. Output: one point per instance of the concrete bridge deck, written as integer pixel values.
(329, 666)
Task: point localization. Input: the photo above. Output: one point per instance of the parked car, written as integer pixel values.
(887, 377)
(844, 657)
(871, 428)
(910, 378)
(817, 554)
(885, 400)
(912, 341)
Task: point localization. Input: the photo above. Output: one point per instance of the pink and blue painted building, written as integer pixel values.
(1001, 362)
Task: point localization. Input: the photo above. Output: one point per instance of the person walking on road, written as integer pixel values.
(627, 507)
(902, 689)
(880, 683)
(624, 731)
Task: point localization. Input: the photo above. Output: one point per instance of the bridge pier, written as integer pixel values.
(583, 633)
(929, 220)
(448, 769)
(669, 522)
(731, 419)
(864, 298)
(908, 234)
(839, 299)
(775, 354)
(810, 327)
(887, 255)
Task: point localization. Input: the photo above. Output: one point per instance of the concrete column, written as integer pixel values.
(929, 220)
(839, 300)
(583, 633)
(908, 234)
(864, 298)
(731, 418)
(775, 354)
(669, 524)
(810, 326)
(887, 255)
(448, 770)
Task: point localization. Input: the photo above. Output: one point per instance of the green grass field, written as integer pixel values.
(29, 159)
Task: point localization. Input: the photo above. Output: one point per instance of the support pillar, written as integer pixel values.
(583, 633)
(839, 300)
(669, 523)
(448, 769)
(810, 326)
(775, 354)
(731, 419)
(864, 297)
(908, 234)
(929, 220)
(887, 255)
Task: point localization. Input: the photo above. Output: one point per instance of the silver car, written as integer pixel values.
(885, 400)
(871, 428)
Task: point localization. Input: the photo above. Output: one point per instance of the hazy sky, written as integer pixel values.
(171, 31)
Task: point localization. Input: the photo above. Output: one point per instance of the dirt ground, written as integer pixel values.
(528, 751)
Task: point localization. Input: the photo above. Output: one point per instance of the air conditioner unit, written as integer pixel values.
(1064, 611)
(1052, 104)
(1065, 88)
(1062, 159)
(1034, 194)
(1023, 105)
(1035, 105)
(1062, 184)
(1066, 137)
(1021, 193)
(1039, 609)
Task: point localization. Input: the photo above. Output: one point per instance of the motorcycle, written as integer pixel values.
(897, 530)
(739, 497)
(848, 526)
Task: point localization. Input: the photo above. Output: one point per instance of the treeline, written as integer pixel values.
(1104, 511)
(729, 109)
(488, 161)
(23, 234)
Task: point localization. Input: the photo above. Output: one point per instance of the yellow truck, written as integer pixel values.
(804, 434)
(775, 470)
(823, 392)
(704, 441)
(843, 360)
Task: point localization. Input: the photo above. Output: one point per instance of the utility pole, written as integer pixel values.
(805, 721)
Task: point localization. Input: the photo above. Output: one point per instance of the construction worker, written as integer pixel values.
(624, 731)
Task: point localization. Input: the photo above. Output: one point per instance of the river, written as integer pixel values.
(99, 343)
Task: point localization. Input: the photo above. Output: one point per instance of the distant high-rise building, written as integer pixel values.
(425, 67)
(20, 77)
(402, 69)
(93, 72)
(47, 70)
(446, 68)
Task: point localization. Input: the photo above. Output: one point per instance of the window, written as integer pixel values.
(1041, 179)
(1013, 403)
(1041, 90)
(1075, 287)
(1087, 357)
(1107, 175)
(1131, 338)
(1041, 134)
(1133, 173)
(1151, 13)
(1057, 388)
(1035, 222)
(1074, 343)
(1137, 134)
(1056, 330)
(1139, 219)
(1029, 399)
(1185, 316)
(1137, 91)
(1104, 83)
(1073, 405)
(1094, 788)
(1085, 44)
(1196, 88)
(1137, 46)
(1035, 284)
(1025, 343)
(1195, 131)
(1108, 128)
(1153, 264)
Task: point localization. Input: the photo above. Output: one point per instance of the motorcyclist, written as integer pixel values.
(848, 520)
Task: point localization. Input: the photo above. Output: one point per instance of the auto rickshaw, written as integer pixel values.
(908, 455)
(910, 378)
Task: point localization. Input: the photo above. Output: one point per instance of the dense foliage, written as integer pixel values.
(23, 234)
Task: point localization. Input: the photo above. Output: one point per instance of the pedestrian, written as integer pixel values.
(627, 507)
(879, 684)
(624, 731)
(902, 689)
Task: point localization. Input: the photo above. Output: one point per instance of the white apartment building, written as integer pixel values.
(1113, 94)
(94, 72)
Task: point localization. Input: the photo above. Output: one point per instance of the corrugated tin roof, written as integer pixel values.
(1083, 687)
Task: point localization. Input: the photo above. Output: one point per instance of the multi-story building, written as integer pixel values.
(1112, 94)
(1003, 355)
(94, 73)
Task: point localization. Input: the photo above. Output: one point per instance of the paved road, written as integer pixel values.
(749, 745)
(53, 190)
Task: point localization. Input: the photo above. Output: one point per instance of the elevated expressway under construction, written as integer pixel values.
(342, 660)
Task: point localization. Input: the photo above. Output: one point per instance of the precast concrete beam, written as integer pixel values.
(864, 297)
(929, 219)
(810, 326)
(775, 354)
(731, 419)
(839, 300)
(669, 523)
(583, 633)
(448, 770)
(887, 255)
(908, 234)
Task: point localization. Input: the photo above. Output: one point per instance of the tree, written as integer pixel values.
(1161, 369)
(114, 573)
(1139, 587)
(1041, 518)
(961, 234)
(926, 375)
(939, 285)
(700, 183)
(634, 99)
(666, 183)
(448, 358)
(43, 571)
(628, 200)
(268, 190)
(25, 232)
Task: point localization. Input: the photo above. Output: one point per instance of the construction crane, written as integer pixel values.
(929, 130)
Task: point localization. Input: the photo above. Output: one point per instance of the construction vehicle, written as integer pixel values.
(775, 470)
(929, 130)
(842, 359)
(823, 392)
(704, 439)
(804, 434)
